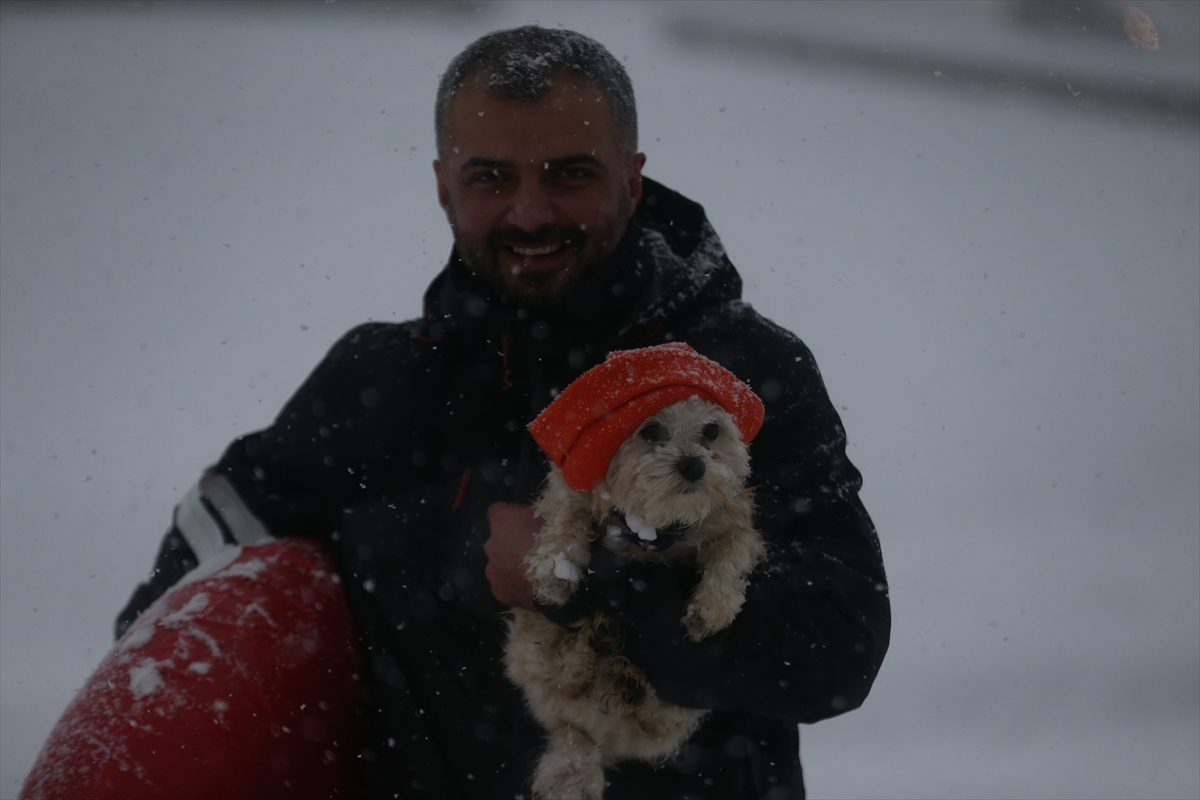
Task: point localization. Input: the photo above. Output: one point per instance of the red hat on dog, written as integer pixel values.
(583, 427)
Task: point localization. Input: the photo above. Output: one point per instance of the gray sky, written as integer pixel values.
(1001, 285)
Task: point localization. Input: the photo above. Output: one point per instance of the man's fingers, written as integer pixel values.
(511, 531)
(512, 517)
(512, 528)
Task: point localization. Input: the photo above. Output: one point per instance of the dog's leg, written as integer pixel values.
(725, 561)
(561, 550)
(571, 769)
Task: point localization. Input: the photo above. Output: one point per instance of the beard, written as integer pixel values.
(494, 260)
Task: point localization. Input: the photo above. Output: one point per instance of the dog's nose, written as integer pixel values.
(690, 467)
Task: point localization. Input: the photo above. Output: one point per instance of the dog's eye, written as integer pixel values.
(710, 431)
(653, 433)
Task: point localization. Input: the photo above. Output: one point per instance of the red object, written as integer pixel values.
(238, 682)
(583, 427)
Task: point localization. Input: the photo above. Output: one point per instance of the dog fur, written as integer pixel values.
(596, 706)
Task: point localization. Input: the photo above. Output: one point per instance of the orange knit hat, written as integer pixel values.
(582, 428)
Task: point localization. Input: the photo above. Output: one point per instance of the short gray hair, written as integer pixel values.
(519, 64)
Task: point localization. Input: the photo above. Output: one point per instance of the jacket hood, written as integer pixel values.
(669, 261)
(689, 263)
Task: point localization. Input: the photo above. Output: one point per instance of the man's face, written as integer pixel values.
(537, 192)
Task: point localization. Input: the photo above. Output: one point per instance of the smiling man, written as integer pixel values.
(407, 453)
(537, 191)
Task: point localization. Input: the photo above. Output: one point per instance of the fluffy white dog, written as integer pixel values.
(674, 490)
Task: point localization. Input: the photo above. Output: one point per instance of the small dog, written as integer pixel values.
(675, 490)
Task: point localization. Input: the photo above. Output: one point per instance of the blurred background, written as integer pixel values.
(981, 217)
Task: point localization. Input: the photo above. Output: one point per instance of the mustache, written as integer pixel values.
(570, 235)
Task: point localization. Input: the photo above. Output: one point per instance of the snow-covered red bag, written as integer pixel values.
(241, 681)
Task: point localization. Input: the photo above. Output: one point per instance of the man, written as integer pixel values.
(406, 452)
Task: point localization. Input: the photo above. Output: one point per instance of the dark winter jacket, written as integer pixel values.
(395, 446)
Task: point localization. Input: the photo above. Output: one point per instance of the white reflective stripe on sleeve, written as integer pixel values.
(198, 527)
(238, 518)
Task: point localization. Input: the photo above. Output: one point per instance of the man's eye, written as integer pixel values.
(575, 173)
(490, 176)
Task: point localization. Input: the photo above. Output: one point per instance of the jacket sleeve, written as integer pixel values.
(174, 560)
(356, 428)
(815, 626)
(352, 427)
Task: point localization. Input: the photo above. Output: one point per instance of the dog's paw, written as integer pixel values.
(704, 619)
(553, 591)
(570, 769)
(697, 627)
(553, 577)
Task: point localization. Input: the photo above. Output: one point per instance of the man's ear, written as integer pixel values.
(635, 180)
(443, 192)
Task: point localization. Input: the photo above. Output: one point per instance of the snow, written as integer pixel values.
(177, 619)
(644, 530)
(144, 678)
(564, 569)
(135, 639)
(218, 562)
(255, 608)
(246, 569)
(221, 563)
(1000, 285)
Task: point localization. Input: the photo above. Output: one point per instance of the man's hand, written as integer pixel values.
(512, 528)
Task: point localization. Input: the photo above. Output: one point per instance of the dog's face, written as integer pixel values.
(680, 465)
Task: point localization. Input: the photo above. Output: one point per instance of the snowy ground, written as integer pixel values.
(1002, 288)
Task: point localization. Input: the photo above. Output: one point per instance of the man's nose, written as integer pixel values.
(531, 207)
